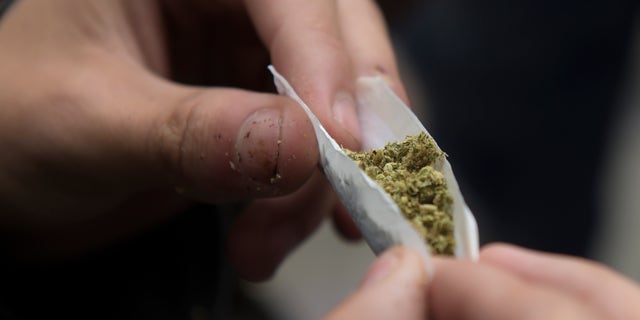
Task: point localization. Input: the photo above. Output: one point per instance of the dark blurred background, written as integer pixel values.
(521, 96)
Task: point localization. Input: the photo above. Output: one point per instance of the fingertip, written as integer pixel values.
(254, 144)
(497, 249)
(383, 266)
(408, 267)
(372, 54)
(500, 246)
(394, 288)
(276, 147)
(316, 65)
(392, 80)
(440, 262)
(504, 254)
(417, 264)
(445, 268)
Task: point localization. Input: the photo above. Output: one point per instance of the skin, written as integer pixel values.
(508, 282)
(100, 141)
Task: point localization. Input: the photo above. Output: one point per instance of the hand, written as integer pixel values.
(97, 139)
(508, 283)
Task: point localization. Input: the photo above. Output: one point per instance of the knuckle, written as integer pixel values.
(172, 137)
(64, 94)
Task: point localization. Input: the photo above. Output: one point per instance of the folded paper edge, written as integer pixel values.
(374, 91)
(468, 224)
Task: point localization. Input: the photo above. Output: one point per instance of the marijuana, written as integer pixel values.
(405, 170)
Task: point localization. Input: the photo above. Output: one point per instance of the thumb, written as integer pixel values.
(228, 144)
(140, 132)
(394, 288)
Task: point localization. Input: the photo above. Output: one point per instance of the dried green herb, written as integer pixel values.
(405, 170)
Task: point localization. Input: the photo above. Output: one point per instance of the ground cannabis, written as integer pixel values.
(405, 170)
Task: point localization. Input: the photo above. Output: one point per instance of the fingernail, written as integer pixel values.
(383, 267)
(346, 113)
(257, 145)
(382, 73)
(391, 82)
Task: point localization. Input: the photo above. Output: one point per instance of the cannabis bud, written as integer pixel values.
(405, 170)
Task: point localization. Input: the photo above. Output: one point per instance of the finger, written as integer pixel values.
(268, 229)
(368, 44)
(465, 290)
(306, 46)
(593, 283)
(394, 288)
(252, 144)
(151, 133)
(367, 40)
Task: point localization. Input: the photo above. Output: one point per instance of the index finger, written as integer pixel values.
(470, 291)
(366, 38)
(594, 283)
(306, 46)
